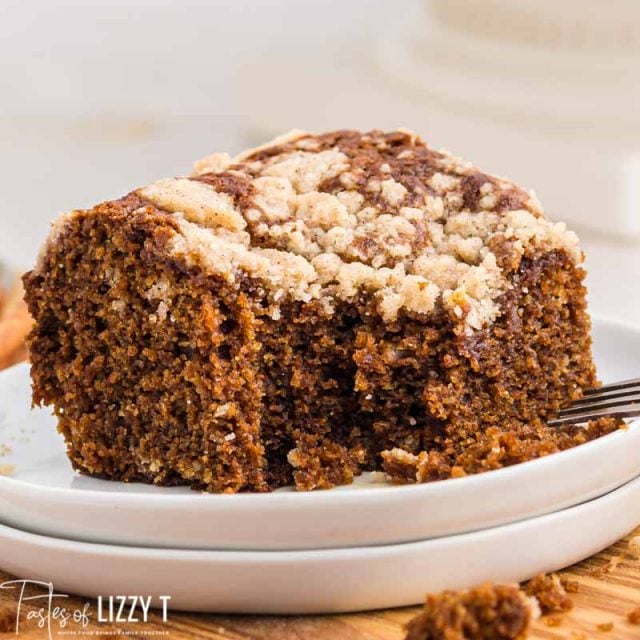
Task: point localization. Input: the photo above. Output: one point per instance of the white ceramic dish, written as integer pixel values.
(45, 496)
(330, 580)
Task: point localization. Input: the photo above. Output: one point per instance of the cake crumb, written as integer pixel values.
(7, 469)
(633, 617)
(550, 593)
(570, 585)
(605, 626)
(500, 612)
(322, 464)
(553, 620)
(608, 568)
(4, 450)
(634, 546)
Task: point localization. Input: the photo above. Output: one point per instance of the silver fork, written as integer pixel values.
(618, 400)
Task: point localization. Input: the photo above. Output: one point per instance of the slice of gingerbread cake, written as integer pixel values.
(317, 307)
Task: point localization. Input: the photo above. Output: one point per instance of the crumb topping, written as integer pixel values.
(346, 214)
(196, 201)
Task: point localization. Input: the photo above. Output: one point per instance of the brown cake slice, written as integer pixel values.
(322, 305)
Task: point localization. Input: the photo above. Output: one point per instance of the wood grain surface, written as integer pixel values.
(609, 589)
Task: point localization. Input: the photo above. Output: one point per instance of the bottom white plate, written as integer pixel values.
(330, 580)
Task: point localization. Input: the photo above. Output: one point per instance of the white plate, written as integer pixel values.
(330, 580)
(46, 496)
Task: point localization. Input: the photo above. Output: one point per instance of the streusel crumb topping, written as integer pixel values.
(345, 214)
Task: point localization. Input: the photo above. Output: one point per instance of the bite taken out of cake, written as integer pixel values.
(308, 310)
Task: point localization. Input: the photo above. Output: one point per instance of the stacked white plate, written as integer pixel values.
(366, 546)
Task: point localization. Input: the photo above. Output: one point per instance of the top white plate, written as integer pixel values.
(45, 496)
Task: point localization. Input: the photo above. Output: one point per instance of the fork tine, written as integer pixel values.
(617, 400)
(600, 403)
(624, 384)
(621, 411)
(607, 395)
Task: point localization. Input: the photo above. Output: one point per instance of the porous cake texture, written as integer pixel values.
(316, 307)
(487, 612)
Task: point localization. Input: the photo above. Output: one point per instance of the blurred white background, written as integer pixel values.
(98, 97)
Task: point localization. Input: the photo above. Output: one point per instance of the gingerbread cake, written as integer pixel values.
(317, 307)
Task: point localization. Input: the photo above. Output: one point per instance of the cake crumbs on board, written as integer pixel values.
(500, 612)
(570, 586)
(473, 613)
(553, 620)
(608, 568)
(634, 546)
(550, 593)
(7, 469)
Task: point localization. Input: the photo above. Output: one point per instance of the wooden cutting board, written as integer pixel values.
(609, 589)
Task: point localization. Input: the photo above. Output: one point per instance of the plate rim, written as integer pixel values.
(347, 579)
(284, 555)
